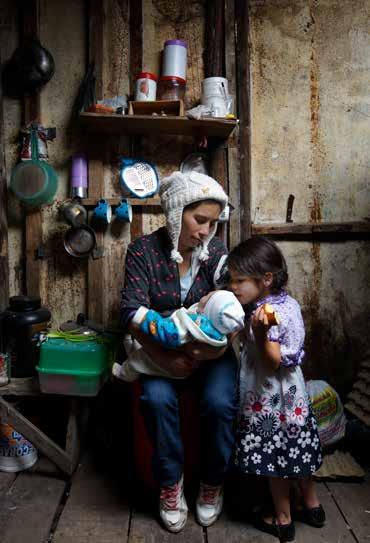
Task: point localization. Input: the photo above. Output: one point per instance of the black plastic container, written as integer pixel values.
(21, 325)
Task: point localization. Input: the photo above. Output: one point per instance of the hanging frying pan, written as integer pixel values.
(30, 67)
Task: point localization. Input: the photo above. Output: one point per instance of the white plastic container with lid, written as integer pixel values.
(215, 86)
(175, 58)
(215, 95)
(146, 87)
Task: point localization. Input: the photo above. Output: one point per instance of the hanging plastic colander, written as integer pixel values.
(138, 178)
(34, 182)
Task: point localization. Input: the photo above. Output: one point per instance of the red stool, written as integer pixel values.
(190, 431)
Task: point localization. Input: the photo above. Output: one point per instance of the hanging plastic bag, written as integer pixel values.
(328, 410)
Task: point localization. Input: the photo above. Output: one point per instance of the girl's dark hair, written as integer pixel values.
(257, 256)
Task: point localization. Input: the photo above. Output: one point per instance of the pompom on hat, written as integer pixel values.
(180, 190)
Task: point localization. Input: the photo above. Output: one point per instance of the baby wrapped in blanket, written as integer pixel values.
(223, 315)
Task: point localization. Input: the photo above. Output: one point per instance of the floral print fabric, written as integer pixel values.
(277, 432)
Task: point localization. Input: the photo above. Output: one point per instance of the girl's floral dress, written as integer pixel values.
(277, 433)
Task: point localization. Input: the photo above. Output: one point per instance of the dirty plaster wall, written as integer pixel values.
(310, 132)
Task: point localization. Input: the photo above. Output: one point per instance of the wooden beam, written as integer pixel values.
(214, 65)
(232, 152)
(32, 113)
(96, 43)
(4, 264)
(136, 41)
(91, 202)
(214, 56)
(41, 441)
(95, 288)
(243, 102)
(95, 278)
(343, 229)
(135, 66)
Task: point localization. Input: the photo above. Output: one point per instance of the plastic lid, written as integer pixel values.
(147, 75)
(24, 303)
(173, 78)
(176, 42)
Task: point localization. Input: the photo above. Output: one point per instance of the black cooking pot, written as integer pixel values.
(30, 67)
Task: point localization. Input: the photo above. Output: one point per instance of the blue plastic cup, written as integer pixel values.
(103, 211)
(123, 211)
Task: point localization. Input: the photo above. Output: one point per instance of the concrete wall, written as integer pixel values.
(310, 113)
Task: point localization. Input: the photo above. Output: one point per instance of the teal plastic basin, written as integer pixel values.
(34, 183)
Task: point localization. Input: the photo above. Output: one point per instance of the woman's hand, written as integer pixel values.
(177, 363)
(202, 351)
(203, 301)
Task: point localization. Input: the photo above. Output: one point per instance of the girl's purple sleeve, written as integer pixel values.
(289, 333)
(135, 292)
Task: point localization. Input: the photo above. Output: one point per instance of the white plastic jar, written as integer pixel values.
(215, 95)
(146, 87)
(215, 86)
(175, 58)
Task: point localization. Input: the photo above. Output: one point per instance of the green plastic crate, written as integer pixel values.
(73, 368)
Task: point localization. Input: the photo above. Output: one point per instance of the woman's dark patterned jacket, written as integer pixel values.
(152, 278)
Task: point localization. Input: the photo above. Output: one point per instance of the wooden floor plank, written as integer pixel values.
(234, 530)
(145, 528)
(6, 481)
(335, 529)
(96, 510)
(354, 502)
(29, 507)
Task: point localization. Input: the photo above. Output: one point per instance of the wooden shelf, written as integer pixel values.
(360, 228)
(91, 202)
(154, 125)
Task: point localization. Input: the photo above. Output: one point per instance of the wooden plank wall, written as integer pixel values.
(4, 265)
(243, 99)
(32, 113)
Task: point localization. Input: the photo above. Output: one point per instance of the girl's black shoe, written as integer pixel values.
(284, 532)
(314, 517)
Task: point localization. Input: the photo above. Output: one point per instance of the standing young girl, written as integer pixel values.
(277, 433)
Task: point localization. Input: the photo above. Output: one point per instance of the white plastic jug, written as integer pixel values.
(215, 95)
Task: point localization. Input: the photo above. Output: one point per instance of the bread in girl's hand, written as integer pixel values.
(271, 315)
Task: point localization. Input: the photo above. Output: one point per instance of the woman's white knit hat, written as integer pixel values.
(181, 189)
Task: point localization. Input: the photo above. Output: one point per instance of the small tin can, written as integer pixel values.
(146, 87)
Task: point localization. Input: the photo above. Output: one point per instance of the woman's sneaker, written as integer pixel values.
(209, 504)
(173, 509)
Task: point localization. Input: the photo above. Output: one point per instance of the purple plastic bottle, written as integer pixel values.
(79, 180)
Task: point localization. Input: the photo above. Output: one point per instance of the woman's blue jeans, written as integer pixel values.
(216, 381)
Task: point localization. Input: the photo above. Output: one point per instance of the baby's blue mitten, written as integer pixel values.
(162, 329)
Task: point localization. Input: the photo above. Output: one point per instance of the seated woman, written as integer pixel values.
(176, 266)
